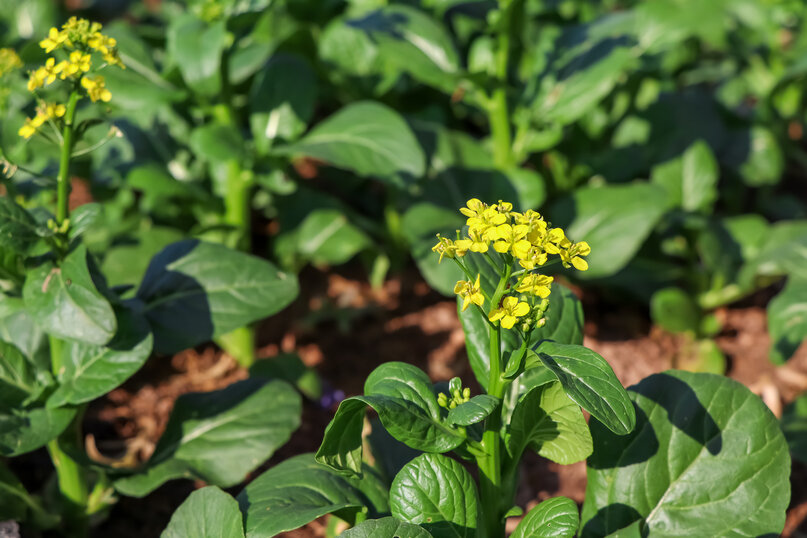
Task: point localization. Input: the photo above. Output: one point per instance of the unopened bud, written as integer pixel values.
(466, 393)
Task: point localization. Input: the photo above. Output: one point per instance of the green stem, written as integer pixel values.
(63, 179)
(72, 480)
(498, 114)
(494, 498)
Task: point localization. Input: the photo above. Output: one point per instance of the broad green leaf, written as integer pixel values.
(564, 324)
(566, 96)
(18, 229)
(289, 367)
(218, 143)
(219, 436)
(414, 42)
(765, 161)
(473, 411)
(783, 252)
(127, 263)
(196, 47)
(691, 179)
(402, 396)
(553, 518)
(90, 371)
(294, 493)
(83, 218)
(282, 100)
(24, 430)
(326, 237)
(437, 493)
(590, 382)
(65, 302)
(18, 377)
(615, 220)
(367, 138)
(13, 496)
(194, 291)
(546, 420)
(17, 327)
(675, 311)
(421, 223)
(386, 527)
(206, 513)
(707, 458)
(787, 319)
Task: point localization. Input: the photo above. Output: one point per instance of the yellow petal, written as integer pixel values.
(509, 302)
(579, 263)
(583, 249)
(496, 315)
(508, 322)
(501, 247)
(521, 310)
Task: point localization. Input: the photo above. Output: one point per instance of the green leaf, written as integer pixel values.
(218, 143)
(548, 421)
(206, 513)
(553, 518)
(282, 100)
(473, 411)
(707, 458)
(90, 371)
(615, 220)
(65, 302)
(127, 263)
(437, 493)
(326, 237)
(690, 180)
(367, 138)
(194, 291)
(402, 396)
(420, 224)
(17, 327)
(413, 42)
(24, 430)
(18, 377)
(294, 493)
(196, 48)
(386, 527)
(564, 324)
(13, 496)
(289, 367)
(784, 252)
(766, 161)
(590, 382)
(83, 218)
(675, 311)
(18, 229)
(787, 319)
(219, 436)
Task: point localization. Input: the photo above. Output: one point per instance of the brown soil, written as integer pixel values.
(344, 329)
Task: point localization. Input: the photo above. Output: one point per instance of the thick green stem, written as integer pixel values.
(498, 114)
(492, 490)
(72, 480)
(63, 179)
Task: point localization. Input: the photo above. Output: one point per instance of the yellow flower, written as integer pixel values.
(55, 40)
(9, 61)
(77, 63)
(474, 208)
(573, 255)
(536, 285)
(101, 43)
(470, 293)
(54, 110)
(44, 75)
(553, 239)
(447, 247)
(476, 242)
(511, 238)
(44, 112)
(95, 88)
(509, 312)
(535, 257)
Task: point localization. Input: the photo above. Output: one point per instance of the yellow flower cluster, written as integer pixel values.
(44, 113)
(80, 38)
(525, 238)
(9, 61)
